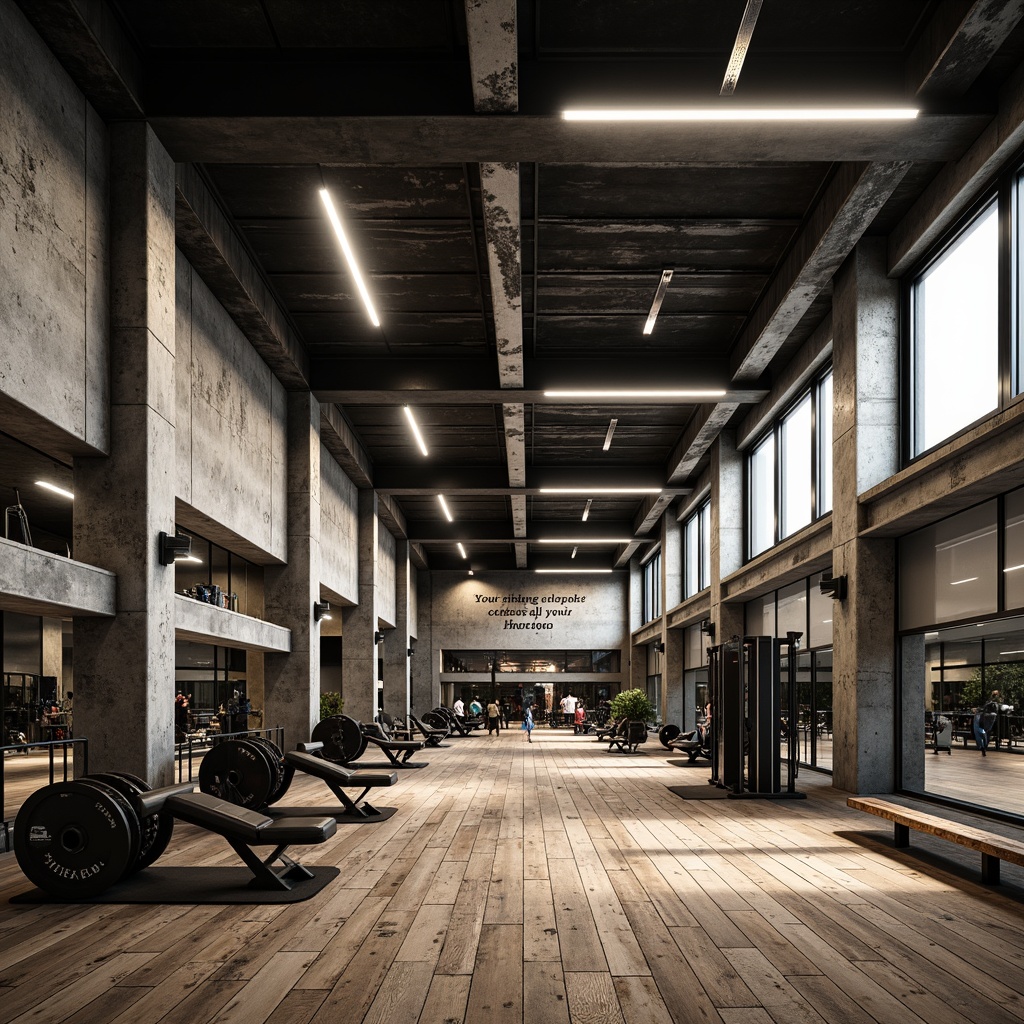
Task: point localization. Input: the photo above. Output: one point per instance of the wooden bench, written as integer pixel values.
(993, 848)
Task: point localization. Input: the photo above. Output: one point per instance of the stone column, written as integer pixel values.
(865, 451)
(291, 682)
(124, 667)
(397, 643)
(426, 661)
(727, 533)
(359, 623)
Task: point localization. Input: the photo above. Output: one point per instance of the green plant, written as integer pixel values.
(633, 705)
(330, 704)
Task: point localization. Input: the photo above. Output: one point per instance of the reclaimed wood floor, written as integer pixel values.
(549, 883)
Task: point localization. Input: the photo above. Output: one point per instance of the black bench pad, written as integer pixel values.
(331, 772)
(250, 827)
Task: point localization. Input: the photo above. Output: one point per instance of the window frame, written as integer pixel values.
(700, 516)
(650, 605)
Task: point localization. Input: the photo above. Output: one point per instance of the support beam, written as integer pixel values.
(459, 479)
(424, 531)
(493, 45)
(698, 438)
(345, 447)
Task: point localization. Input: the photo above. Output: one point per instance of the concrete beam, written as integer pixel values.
(392, 517)
(651, 510)
(517, 138)
(436, 532)
(960, 183)
(208, 238)
(36, 582)
(957, 45)
(191, 519)
(698, 438)
(205, 624)
(460, 479)
(347, 450)
(493, 53)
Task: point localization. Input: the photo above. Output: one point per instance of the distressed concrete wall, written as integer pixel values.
(414, 601)
(54, 242)
(230, 437)
(386, 582)
(339, 530)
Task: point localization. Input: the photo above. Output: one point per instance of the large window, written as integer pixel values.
(652, 588)
(789, 471)
(697, 551)
(955, 334)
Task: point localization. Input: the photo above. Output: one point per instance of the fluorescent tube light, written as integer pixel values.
(55, 489)
(637, 393)
(444, 508)
(599, 490)
(415, 430)
(584, 540)
(462, 550)
(350, 256)
(1014, 568)
(574, 550)
(572, 569)
(612, 424)
(725, 113)
(586, 509)
(659, 298)
(969, 579)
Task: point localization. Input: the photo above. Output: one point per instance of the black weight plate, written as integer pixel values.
(74, 840)
(129, 786)
(275, 760)
(435, 721)
(161, 824)
(120, 794)
(238, 772)
(667, 734)
(447, 714)
(342, 738)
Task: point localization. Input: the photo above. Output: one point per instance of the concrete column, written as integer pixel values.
(396, 642)
(865, 451)
(359, 653)
(291, 682)
(727, 534)
(426, 661)
(53, 650)
(124, 667)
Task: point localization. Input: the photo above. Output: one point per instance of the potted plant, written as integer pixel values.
(637, 710)
(331, 704)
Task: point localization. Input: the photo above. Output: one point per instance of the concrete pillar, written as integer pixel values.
(426, 660)
(865, 451)
(291, 682)
(359, 653)
(124, 667)
(53, 650)
(727, 534)
(397, 642)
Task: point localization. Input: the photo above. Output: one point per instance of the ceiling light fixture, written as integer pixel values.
(1014, 568)
(599, 490)
(572, 569)
(350, 256)
(415, 430)
(586, 509)
(638, 393)
(462, 550)
(584, 540)
(740, 47)
(444, 508)
(747, 114)
(659, 298)
(55, 489)
(969, 579)
(612, 424)
(574, 550)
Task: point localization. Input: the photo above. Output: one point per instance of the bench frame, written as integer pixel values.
(992, 847)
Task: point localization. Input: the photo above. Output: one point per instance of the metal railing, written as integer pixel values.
(51, 746)
(184, 752)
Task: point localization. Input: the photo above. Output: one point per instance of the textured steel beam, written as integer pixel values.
(517, 138)
(493, 54)
(958, 44)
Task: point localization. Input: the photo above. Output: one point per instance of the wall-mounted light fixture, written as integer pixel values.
(659, 646)
(321, 610)
(707, 627)
(833, 586)
(174, 546)
(409, 652)
(378, 637)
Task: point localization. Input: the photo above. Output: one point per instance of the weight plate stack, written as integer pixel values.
(342, 738)
(238, 771)
(667, 734)
(76, 839)
(161, 825)
(436, 721)
(284, 772)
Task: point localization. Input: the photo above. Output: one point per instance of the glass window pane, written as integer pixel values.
(948, 571)
(793, 611)
(762, 496)
(691, 556)
(822, 607)
(796, 441)
(705, 546)
(759, 616)
(825, 446)
(1013, 566)
(955, 306)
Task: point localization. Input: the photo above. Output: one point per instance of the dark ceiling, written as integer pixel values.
(509, 251)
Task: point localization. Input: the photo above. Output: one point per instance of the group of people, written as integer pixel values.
(574, 713)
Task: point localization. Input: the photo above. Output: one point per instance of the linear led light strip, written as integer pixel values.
(415, 430)
(747, 114)
(462, 550)
(599, 490)
(659, 298)
(586, 510)
(572, 569)
(636, 393)
(740, 47)
(56, 490)
(584, 540)
(612, 424)
(350, 256)
(444, 508)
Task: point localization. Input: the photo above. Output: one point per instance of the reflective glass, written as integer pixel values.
(762, 496)
(825, 446)
(691, 556)
(796, 444)
(705, 546)
(1013, 561)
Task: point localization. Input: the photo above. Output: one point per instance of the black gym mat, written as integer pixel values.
(194, 886)
(688, 764)
(705, 792)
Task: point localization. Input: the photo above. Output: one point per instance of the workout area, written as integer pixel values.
(513, 512)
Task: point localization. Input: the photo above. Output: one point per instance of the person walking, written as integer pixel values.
(493, 719)
(528, 723)
(570, 709)
(460, 709)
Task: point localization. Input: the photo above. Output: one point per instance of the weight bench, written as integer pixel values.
(431, 736)
(243, 829)
(605, 732)
(337, 778)
(628, 737)
(992, 847)
(392, 749)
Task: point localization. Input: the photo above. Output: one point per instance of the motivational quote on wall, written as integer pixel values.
(529, 611)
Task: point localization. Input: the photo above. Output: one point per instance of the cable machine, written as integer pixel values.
(747, 688)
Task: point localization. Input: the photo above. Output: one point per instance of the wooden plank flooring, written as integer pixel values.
(550, 883)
